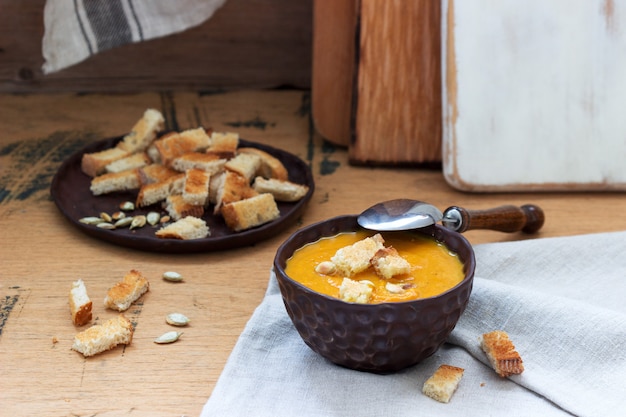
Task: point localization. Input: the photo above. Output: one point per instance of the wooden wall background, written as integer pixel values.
(246, 44)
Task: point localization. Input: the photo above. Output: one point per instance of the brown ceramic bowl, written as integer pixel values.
(377, 338)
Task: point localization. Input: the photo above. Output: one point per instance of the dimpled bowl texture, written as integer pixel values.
(378, 338)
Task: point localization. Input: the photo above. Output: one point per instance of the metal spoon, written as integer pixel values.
(404, 214)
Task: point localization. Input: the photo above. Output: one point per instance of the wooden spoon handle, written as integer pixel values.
(528, 218)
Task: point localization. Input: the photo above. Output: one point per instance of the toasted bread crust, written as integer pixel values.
(251, 212)
(216, 185)
(103, 337)
(137, 140)
(245, 164)
(234, 188)
(136, 160)
(153, 193)
(351, 260)
(80, 304)
(271, 167)
(82, 314)
(124, 293)
(143, 132)
(174, 145)
(187, 228)
(178, 208)
(155, 172)
(198, 160)
(93, 164)
(501, 353)
(196, 189)
(282, 190)
(352, 291)
(442, 384)
(388, 263)
(224, 144)
(115, 181)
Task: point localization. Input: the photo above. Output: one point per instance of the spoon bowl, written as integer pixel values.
(400, 214)
(406, 214)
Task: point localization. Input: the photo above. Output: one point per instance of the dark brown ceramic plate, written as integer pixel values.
(70, 191)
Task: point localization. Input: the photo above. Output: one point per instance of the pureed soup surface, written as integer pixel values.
(434, 268)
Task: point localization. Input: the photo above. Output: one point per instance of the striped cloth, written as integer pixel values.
(78, 29)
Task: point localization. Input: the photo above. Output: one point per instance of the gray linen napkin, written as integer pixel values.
(75, 30)
(560, 299)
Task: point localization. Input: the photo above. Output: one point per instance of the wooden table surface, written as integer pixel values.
(42, 253)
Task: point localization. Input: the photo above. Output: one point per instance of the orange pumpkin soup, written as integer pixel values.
(434, 269)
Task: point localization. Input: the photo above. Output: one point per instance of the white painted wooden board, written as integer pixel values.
(534, 94)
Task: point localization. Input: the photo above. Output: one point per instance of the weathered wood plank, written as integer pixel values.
(377, 81)
(534, 95)
(334, 68)
(398, 92)
(247, 43)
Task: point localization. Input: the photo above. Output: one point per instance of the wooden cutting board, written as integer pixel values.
(376, 84)
(534, 94)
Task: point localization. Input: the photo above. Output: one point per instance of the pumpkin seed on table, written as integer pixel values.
(106, 225)
(153, 218)
(91, 220)
(127, 206)
(169, 337)
(138, 221)
(177, 319)
(172, 276)
(118, 215)
(106, 217)
(123, 222)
